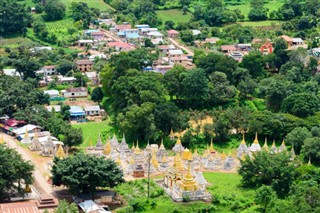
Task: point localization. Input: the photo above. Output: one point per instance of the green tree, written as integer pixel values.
(264, 195)
(275, 170)
(97, 94)
(65, 207)
(81, 80)
(186, 36)
(64, 66)
(173, 80)
(14, 18)
(254, 63)
(301, 104)
(55, 10)
(311, 150)
(14, 172)
(72, 136)
(166, 116)
(297, 136)
(195, 88)
(82, 173)
(148, 43)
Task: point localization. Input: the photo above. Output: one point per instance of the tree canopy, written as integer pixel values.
(82, 173)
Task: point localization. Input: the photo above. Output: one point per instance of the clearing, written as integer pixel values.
(174, 15)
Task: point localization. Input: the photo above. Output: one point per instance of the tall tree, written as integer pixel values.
(14, 17)
(55, 10)
(82, 173)
(14, 172)
(297, 136)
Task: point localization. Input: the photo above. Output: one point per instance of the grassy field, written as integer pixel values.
(91, 131)
(245, 8)
(227, 196)
(100, 4)
(173, 15)
(59, 27)
(259, 23)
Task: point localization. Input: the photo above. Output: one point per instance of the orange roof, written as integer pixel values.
(19, 207)
(123, 27)
(286, 38)
(172, 32)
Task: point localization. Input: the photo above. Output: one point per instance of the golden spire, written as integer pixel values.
(185, 154)
(223, 155)
(265, 146)
(154, 160)
(118, 161)
(177, 163)
(137, 150)
(161, 145)
(195, 152)
(171, 133)
(178, 141)
(293, 154)
(188, 182)
(211, 149)
(309, 162)
(243, 140)
(133, 146)
(60, 153)
(164, 159)
(256, 139)
(26, 134)
(274, 143)
(283, 143)
(107, 147)
(131, 161)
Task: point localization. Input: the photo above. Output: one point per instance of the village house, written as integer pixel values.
(65, 80)
(108, 22)
(266, 48)
(120, 46)
(140, 26)
(196, 32)
(163, 68)
(84, 65)
(238, 56)
(294, 43)
(56, 108)
(47, 70)
(181, 60)
(92, 110)
(85, 43)
(77, 92)
(166, 48)
(11, 72)
(145, 31)
(228, 48)
(52, 93)
(172, 33)
(157, 41)
(175, 53)
(98, 35)
(119, 28)
(154, 34)
(93, 77)
(243, 47)
(76, 113)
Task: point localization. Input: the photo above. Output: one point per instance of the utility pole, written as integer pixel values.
(149, 160)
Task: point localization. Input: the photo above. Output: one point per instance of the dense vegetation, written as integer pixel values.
(15, 173)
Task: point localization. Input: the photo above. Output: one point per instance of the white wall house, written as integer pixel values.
(77, 92)
(92, 110)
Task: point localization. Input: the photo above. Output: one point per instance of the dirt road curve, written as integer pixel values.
(177, 44)
(40, 183)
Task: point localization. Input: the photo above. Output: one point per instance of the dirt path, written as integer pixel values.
(110, 35)
(40, 182)
(188, 50)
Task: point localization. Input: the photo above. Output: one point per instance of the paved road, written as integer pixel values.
(177, 44)
(40, 183)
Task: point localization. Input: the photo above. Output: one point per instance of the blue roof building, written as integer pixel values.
(76, 112)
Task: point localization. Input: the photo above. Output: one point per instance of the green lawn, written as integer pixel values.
(173, 15)
(227, 196)
(245, 8)
(91, 131)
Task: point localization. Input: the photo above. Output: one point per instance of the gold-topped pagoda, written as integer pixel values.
(154, 160)
(60, 153)
(185, 154)
(265, 145)
(107, 147)
(137, 150)
(211, 149)
(177, 163)
(188, 182)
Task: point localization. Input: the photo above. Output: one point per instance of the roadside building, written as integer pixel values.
(172, 33)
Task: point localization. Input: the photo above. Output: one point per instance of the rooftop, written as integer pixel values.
(76, 89)
(92, 108)
(175, 52)
(122, 27)
(19, 207)
(172, 32)
(84, 61)
(51, 92)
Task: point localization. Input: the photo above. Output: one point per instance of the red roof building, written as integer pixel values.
(19, 207)
(266, 48)
(172, 33)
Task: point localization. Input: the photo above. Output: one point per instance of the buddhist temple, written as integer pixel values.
(48, 148)
(255, 146)
(282, 147)
(178, 148)
(154, 160)
(138, 171)
(177, 163)
(273, 148)
(185, 154)
(99, 144)
(171, 134)
(161, 152)
(265, 145)
(242, 149)
(35, 144)
(60, 153)
(114, 142)
(26, 138)
(123, 146)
